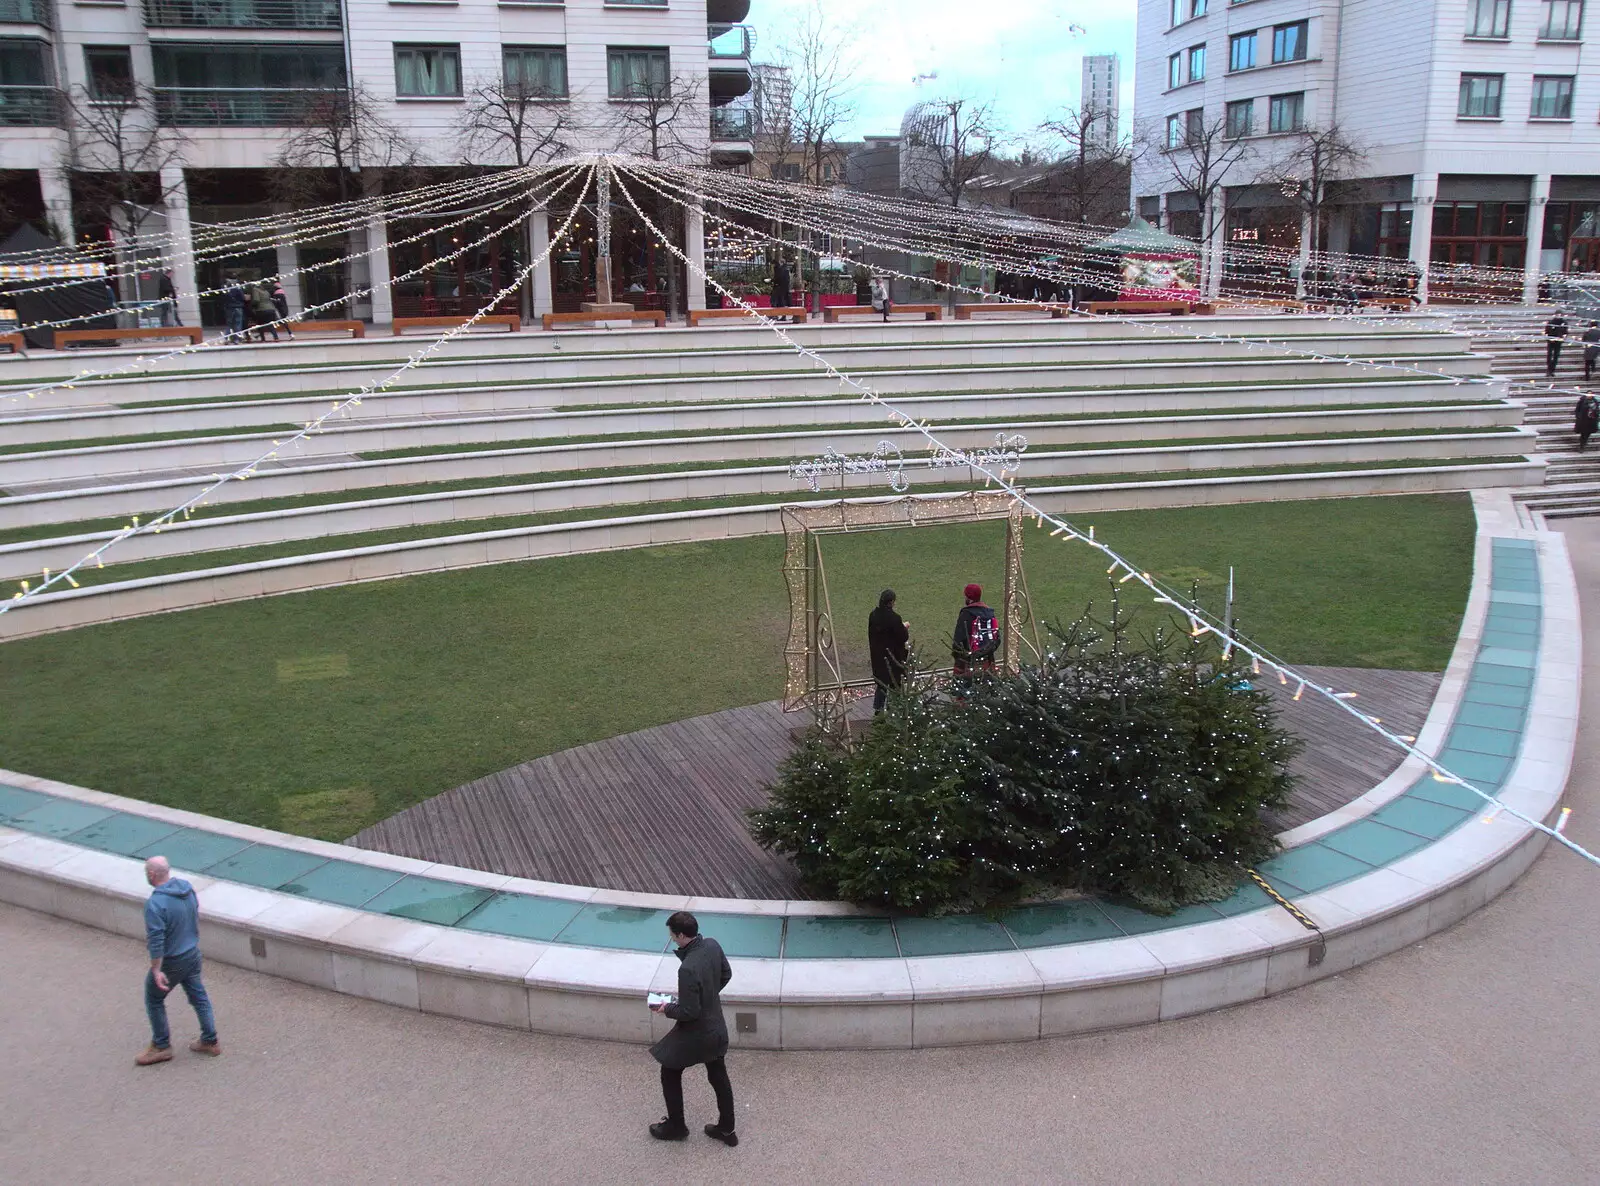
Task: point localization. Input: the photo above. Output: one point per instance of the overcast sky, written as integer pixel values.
(1025, 54)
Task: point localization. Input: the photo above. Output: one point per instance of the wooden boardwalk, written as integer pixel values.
(662, 810)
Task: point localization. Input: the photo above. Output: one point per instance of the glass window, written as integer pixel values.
(1198, 8)
(1287, 113)
(1563, 20)
(539, 71)
(1480, 96)
(1241, 118)
(110, 72)
(23, 62)
(1197, 63)
(1488, 18)
(269, 67)
(1194, 125)
(1180, 11)
(1242, 51)
(636, 73)
(1175, 71)
(1289, 42)
(1150, 209)
(427, 71)
(1552, 97)
(1174, 131)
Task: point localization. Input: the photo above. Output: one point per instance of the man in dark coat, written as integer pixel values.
(782, 291)
(887, 637)
(1555, 336)
(1586, 418)
(700, 1035)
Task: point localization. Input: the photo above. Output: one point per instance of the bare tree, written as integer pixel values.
(1198, 162)
(823, 67)
(664, 117)
(1322, 157)
(512, 123)
(117, 148)
(953, 141)
(339, 129)
(1091, 179)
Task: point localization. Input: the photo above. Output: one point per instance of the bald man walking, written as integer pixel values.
(172, 934)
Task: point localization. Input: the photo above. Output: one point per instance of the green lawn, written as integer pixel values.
(325, 711)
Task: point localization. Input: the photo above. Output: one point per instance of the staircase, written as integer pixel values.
(1572, 479)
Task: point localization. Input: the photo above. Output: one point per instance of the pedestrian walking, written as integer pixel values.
(169, 299)
(887, 639)
(976, 639)
(880, 297)
(234, 301)
(280, 302)
(1591, 350)
(1585, 419)
(263, 313)
(172, 937)
(700, 1034)
(1555, 336)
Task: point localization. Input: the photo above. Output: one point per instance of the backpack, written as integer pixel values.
(983, 632)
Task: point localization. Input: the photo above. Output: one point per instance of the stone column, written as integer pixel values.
(288, 261)
(378, 269)
(1215, 218)
(1305, 255)
(179, 252)
(57, 195)
(1424, 193)
(694, 231)
(1538, 198)
(544, 300)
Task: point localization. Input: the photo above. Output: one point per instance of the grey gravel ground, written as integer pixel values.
(1469, 1058)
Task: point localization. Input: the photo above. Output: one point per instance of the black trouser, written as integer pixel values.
(1552, 355)
(880, 696)
(717, 1073)
(1589, 356)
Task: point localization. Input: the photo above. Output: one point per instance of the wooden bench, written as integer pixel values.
(696, 316)
(511, 321)
(1174, 307)
(966, 312)
(65, 337)
(832, 313)
(655, 316)
(357, 329)
(15, 341)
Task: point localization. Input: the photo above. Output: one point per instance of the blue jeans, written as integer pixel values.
(185, 970)
(236, 322)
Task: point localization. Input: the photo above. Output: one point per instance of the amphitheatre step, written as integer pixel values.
(64, 425)
(448, 371)
(281, 573)
(91, 497)
(329, 520)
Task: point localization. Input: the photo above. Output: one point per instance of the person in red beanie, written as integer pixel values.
(977, 637)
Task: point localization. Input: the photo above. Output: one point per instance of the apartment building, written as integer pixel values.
(1102, 94)
(1479, 121)
(234, 79)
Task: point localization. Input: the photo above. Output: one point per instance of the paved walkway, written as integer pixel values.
(1470, 1057)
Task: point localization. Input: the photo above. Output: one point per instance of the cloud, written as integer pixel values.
(1024, 54)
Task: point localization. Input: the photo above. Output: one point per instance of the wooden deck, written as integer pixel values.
(662, 810)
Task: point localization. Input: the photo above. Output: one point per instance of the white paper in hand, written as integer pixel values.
(657, 999)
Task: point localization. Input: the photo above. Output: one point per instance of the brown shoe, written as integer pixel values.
(150, 1055)
(202, 1047)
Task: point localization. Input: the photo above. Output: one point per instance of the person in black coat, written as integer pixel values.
(701, 1033)
(1591, 350)
(1555, 336)
(887, 638)
(1585, 419)
(782, 291)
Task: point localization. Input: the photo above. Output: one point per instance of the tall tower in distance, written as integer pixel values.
(1102, 82)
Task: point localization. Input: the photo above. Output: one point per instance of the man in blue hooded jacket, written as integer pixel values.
(172, 934)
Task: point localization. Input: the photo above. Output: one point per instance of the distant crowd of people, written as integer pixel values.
(1586, 415)
(262, 304)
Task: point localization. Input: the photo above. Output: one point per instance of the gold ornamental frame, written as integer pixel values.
(814, 675)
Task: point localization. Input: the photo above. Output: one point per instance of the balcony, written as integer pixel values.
(238, 14)
(238, 107)
(727, 12)
(27, 12)
(730, 47)
(731, 41)
(30, 107)
(733, 136)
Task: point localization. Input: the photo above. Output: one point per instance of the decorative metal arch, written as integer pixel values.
(814, 676)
